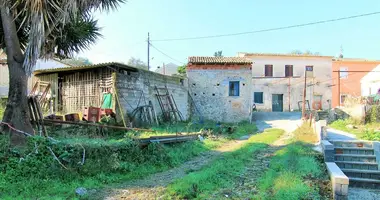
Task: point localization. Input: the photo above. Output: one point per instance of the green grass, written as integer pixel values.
(221, 172)
(109, 160)
(289, 171)
(369, 131)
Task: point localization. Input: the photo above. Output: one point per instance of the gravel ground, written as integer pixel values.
(363, 194)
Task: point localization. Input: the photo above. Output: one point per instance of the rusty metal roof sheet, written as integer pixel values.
(218, 60)
(84, 67)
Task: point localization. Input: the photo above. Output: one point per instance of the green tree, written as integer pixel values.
(33, 29)
(77, 61)
(136, 62)
(182, 70)
(218, 54)
(307, 52)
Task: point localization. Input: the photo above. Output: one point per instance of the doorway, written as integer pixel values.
(277, 102)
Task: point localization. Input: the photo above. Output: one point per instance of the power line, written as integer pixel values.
(166, 54)
(269, 29)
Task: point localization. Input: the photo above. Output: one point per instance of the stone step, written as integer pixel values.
(357, 165)
(361, 171)
(353, 143)
(354, 150)
(355, 157)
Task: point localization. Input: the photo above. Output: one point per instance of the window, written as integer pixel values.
(288, 70)
(343, 98)
(343, 72)
(268, 70)
(258, 97)
(234, 88)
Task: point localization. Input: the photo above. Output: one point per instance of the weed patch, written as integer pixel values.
(221, 172)
(289, 172)
(369, 131)
(305, 133)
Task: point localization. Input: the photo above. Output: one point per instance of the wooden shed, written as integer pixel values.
(73, 88)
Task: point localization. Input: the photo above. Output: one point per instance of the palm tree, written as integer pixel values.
(34, 29)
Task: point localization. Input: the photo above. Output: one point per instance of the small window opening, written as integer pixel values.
(234, 88)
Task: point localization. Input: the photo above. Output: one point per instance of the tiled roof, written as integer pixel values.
(218, 60)
(244, 54)
(74, 68)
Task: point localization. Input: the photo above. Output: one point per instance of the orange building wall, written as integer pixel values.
(351, 85)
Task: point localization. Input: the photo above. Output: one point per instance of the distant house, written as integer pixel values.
(351, 82)
(370, 83)
(221, 87)
(167, 69)
(278, 81)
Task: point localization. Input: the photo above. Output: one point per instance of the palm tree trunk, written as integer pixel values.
(16, 112)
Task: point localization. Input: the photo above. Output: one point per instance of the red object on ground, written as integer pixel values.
(105, 111)
(91, 114)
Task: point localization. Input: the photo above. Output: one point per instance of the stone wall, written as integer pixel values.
(209, 87)
(137, 88)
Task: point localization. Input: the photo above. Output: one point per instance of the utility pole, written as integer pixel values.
(148, 51)
(304, 98)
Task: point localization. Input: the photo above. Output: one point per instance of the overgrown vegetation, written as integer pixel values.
(305, 133)
(221, 172)
(295, 172)
(368, 131)
(94, 158)
(2, 108)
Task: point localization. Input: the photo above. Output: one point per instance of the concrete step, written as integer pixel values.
(353, 143)
(355, 158)
(354, 150)
(359, 173)
(364, 182)
(357, 165)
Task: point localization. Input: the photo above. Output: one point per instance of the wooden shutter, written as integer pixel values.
(269, 70)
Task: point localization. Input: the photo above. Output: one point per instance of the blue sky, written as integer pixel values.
(125, 30)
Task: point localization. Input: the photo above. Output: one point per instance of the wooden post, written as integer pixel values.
(289, 93)
(304, 98)
(339, 88)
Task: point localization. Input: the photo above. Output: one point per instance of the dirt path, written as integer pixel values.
(246, 183)
(152, 186)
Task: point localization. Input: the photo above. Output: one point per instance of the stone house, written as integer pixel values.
(167, 69)
(221, 87)
(76, 87)
(278, 81)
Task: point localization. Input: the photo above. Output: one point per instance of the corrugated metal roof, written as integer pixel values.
(74, 68)
(218, 60)
(279, 54)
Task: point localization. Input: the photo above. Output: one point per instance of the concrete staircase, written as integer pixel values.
(357, 160)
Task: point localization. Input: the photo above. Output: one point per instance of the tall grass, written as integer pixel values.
(289, 168)
(221, 172)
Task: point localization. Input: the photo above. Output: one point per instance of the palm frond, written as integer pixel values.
(43, 18)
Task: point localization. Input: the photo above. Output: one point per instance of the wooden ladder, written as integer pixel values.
(168, 106)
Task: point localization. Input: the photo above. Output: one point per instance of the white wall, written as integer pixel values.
(370, 83)
(170, 69)
(319, 84)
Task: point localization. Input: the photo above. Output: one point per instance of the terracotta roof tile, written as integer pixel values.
(244, 54)
(218, 60)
